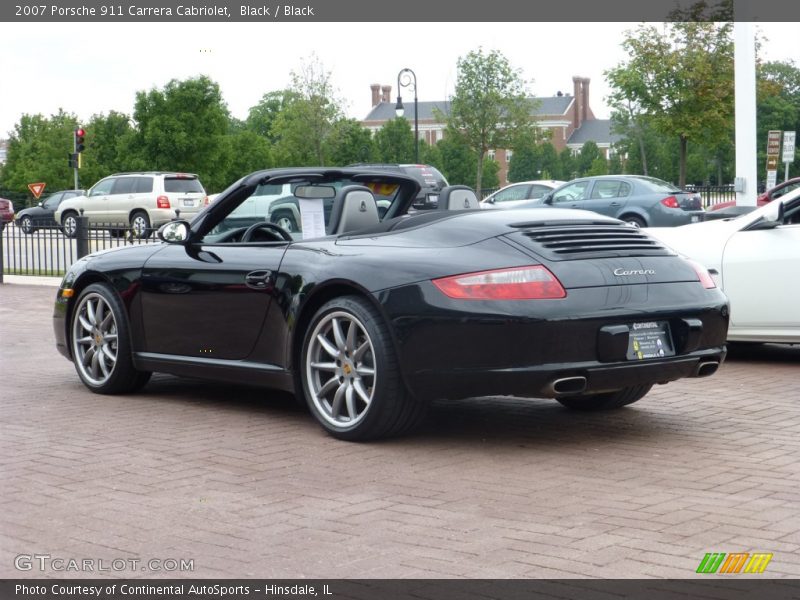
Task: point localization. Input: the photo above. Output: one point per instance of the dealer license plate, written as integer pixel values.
(650, 339)
(188, 203)
(695, 218)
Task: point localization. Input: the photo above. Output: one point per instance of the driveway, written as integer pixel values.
(242, 483)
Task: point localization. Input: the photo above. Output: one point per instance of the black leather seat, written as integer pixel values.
(354, 208)
(457, 197)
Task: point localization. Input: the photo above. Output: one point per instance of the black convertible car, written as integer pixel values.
(369, 317)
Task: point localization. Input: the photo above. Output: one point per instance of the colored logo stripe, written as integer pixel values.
(737, 562)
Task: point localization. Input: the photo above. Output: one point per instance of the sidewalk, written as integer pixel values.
(31, 280)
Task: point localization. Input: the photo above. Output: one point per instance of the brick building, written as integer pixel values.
(568, 118)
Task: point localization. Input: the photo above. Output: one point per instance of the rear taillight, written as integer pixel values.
(671, 202)
(205, 201)
(162, 202)
(702, 273)
(519, 283)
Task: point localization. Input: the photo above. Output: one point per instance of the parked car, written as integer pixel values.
(637, 200)
(139, 201)
(513, 195)
(430, 179)
(377, 316)
(754, 259)
(6, 212)
(41, 216)
(763, 198)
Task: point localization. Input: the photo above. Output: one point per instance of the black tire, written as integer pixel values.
(26, 225)
(634, 220)
(120, 377)
(69, 224)
(391, 410)
(285, 220)
(607, 400)
(140, 225)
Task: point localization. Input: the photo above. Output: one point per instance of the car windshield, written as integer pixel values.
(277, 204)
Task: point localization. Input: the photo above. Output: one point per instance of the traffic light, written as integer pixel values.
(80, 135)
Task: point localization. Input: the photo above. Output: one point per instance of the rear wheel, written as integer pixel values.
(606, 401)
(140, 223)
(101, 343)
(69, 222)
(350, 374)
(634, 220)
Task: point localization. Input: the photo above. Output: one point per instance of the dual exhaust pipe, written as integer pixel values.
(577, 384)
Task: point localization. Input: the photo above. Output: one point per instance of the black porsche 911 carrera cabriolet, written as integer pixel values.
(371, 310)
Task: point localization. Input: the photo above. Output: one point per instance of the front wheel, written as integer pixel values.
(606, 401)
(101, 343)
(286, 221)
(26, 224)
(350, 374)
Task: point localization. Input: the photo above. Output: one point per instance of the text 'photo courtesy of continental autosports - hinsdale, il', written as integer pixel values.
(376, 305)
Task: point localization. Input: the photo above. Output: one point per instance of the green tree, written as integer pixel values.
(305, 123)
(261, 117)
(245, 152)
(182, 128)
(681, 77)
(394, 141)
(490, 107)
(568, 168)
(109, 148)
(38, 150)
(350, 143)
(586, 158)
(524, 164)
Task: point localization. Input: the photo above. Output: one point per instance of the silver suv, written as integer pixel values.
(137, 201)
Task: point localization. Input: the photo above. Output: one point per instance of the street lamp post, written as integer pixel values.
(404, 79)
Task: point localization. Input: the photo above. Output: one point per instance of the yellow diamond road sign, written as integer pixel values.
(36, 189)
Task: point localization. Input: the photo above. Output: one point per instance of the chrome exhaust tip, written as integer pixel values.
(704, 369)
(567, 385)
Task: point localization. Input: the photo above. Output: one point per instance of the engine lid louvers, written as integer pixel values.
(565, 242)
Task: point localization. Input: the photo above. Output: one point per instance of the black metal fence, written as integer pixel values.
(713, 194)
(47, 251)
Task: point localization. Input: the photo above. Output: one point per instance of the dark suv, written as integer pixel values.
(430, 179)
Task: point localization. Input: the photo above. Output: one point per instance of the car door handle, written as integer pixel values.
(258, 280)
(615, 204)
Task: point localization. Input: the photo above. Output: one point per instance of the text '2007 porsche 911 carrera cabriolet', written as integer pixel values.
(372, 309)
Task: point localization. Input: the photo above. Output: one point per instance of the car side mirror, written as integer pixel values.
(174, 232)
(490, 200)
(772, 218)
(547, 199)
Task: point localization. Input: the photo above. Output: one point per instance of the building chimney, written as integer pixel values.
(376, 90)
(387, 93)
(577, 115)
(585, 99)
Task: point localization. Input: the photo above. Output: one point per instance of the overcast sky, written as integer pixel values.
(44, 67)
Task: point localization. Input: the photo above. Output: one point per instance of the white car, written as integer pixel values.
(139, 201)
(517, 193)
(755, 260)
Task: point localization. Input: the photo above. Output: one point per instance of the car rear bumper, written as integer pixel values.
(555, 380)
(459, 349)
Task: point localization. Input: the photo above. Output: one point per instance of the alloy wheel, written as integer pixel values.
(94, 339)
(340, 369)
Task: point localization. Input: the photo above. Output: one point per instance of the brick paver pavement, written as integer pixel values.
(243, 482)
